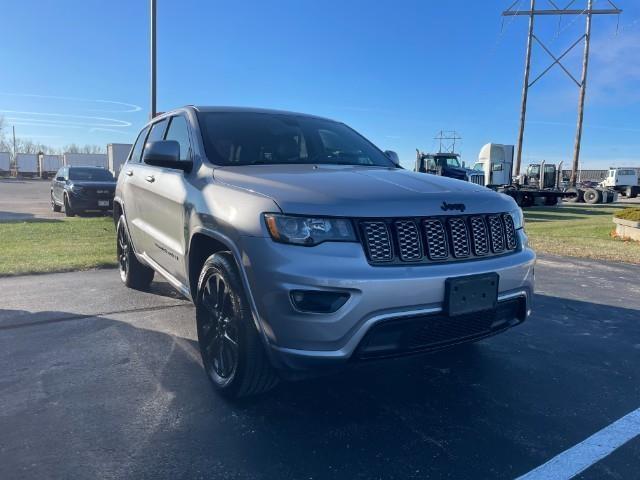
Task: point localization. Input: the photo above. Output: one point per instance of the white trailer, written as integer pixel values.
(49, 164)
(5, 163)
(27, 165)
(117, 154)
(85, 159)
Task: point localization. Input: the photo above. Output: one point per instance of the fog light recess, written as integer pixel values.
(317, 301)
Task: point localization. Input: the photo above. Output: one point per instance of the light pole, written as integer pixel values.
(152, 112)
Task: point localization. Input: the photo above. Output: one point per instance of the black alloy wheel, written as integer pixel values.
(122, 250)
(233, 354)
(132, 273)
(218, 333)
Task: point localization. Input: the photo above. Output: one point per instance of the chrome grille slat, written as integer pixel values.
(479, 236)
(378, 241)
(438, 239)
(509, 232)
(437, 245)
(459, 237)
(496, 234)
(409, 243)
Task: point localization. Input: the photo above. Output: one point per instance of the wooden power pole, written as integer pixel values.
(588, 11)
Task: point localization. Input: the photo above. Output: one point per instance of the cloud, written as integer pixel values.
(129, 107)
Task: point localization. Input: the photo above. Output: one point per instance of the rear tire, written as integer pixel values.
(54, 206)
(232, 352)
(578, 195)
(592, 196)
(68, 211)
(633, 192)
(132, 273)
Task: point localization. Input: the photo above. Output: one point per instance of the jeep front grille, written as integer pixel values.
(426, 240)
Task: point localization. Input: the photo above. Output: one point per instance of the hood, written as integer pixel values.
(353, 191)
(94, 185)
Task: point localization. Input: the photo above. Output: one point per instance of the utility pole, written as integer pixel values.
(589, 11)
(525, 89)
(583, 88)
(152, 112)
(451, 136)
(15, 166)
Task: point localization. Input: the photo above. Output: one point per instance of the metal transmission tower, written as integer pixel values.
(582, 84)
(447, 140)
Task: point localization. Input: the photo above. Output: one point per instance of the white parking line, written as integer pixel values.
(578, 458)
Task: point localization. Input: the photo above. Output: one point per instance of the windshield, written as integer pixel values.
(479, 167)
(239, 138)
(448, 161)
(90, 175)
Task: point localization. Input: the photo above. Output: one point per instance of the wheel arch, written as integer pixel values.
(204, 243)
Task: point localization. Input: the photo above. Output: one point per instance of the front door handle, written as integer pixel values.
(129, 173)
(150, 178)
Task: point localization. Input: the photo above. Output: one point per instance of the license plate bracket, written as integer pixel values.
(472, 293)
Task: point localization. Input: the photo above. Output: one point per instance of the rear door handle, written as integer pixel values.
(129, 173)
(150, 178)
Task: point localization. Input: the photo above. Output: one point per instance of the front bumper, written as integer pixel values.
(90, 201)
(378, 294)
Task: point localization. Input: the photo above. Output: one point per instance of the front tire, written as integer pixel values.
(68, 211)
(132, 273)
(232, 353)
(54, 206)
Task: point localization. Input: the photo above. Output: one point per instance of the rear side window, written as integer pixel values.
(179, 131)
(137, 148)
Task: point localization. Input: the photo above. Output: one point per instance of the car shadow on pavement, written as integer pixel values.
(97, 396)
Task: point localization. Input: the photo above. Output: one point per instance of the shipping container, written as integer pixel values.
(5, 163)
(27, 165)
(117, 154)
(49, 165)
(86, 159)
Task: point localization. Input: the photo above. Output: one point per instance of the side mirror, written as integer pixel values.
(393, 156)
(166, 154)
(59, 179)
(463, 164)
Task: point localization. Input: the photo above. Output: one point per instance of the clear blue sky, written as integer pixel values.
(396, 70)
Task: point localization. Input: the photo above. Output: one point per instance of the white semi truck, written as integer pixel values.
(495, 162)
(85, 159)
(27, 165)
(623, 181)
(117, 154)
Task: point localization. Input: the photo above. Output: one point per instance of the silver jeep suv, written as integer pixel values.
(304, 247)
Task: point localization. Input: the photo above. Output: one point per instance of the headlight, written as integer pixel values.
(518, 218)
(309, 231)
(76, 189)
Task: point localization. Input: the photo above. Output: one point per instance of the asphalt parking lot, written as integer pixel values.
(99, 381)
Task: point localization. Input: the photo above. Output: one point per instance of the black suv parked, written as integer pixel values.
(80, 189)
